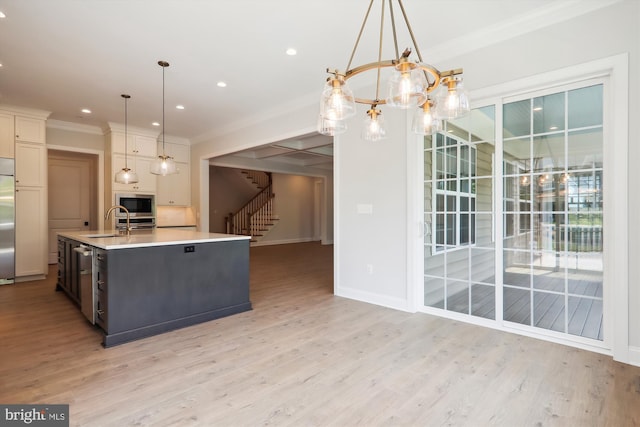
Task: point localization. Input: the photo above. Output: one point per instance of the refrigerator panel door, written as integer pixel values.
(7, 229)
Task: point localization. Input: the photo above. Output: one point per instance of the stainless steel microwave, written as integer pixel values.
(138, 205)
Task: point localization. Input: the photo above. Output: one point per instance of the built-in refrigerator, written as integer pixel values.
(7, 221)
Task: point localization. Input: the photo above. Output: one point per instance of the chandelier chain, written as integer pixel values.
(413, 37)
(355, 47)
(380, 52)
(393, 28)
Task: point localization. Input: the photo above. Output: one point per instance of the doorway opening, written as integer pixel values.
(73, 194)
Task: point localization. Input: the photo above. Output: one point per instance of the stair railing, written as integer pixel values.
(262, 218)
(260, 179)
(240, 222)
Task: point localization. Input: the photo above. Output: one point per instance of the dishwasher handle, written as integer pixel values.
(83, 250)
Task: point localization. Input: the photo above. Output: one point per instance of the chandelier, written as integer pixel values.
(412, 84)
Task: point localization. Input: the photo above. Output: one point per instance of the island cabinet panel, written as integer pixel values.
(156, 289)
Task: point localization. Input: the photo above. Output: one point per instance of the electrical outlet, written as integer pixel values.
(370, 268)
(189, 249)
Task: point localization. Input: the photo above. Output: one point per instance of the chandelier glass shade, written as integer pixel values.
(331, 127)
(163, 164)
(425, 121)
(412, 84)
(373, 128)
(126, 175)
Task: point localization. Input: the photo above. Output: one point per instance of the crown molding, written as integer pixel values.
(74, 127)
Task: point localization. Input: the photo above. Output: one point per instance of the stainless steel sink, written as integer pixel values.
(92, 236)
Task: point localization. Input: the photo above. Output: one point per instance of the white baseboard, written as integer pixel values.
(634, 356)
(281, 242)
(371, 298)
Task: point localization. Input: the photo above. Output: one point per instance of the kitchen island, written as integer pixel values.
(150, 282)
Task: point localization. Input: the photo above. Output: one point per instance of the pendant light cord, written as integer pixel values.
(126, 145)
(163, 64)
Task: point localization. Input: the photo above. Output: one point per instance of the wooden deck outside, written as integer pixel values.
(584, 314)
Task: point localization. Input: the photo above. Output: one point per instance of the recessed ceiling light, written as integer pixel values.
(291, 51)
(86, 111)
(222, 84)
(2, 15)
(180, 107)
(155, 124)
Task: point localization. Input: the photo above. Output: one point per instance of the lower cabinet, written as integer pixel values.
(101, 288)
(31, 231)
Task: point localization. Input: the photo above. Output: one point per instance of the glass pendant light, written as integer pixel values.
(331, 127)
(453, 101)
(424, 120)
(337, 102)
(407, 85)
(373, 129)
(126, 175)
(163, 165)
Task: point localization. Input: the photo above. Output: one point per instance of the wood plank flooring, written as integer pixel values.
(303, 357)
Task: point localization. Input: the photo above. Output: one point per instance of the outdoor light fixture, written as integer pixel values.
(409, 87)
(126, 175)
(163, 165)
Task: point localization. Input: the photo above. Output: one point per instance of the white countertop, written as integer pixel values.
(110, 239)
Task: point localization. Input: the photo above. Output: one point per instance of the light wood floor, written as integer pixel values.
(303, 357)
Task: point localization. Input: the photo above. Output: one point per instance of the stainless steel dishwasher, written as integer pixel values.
(85, 276)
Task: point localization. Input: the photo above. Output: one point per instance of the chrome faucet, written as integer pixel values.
(106, 216)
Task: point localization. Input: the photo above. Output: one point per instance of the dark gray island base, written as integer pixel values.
(144, 291)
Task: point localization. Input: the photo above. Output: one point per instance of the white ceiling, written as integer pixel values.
(65, 55)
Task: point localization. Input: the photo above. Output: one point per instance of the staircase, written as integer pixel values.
(256, 218)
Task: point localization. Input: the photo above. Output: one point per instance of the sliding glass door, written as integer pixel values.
(553, 209)
(530, 253)
(459, 245)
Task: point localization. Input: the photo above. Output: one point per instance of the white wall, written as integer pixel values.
(371, 247)
(294, 206)
(75, 138)
(227, 194)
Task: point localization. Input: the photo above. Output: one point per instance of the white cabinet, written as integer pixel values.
(181, 153)
(23, 137)
(140, 165)
(31, 161)
(140, 152)
(136, 145)
(7, 136)
(30, 129)
(31, 231)
(174, 190)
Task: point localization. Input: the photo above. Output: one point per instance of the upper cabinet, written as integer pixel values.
(30, 130)
(136, 145)
(31, 164)
(175, 190)
(7, 136)
(15, 128)
(180, 152)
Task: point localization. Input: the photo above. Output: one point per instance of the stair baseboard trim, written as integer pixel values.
(284, 241)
